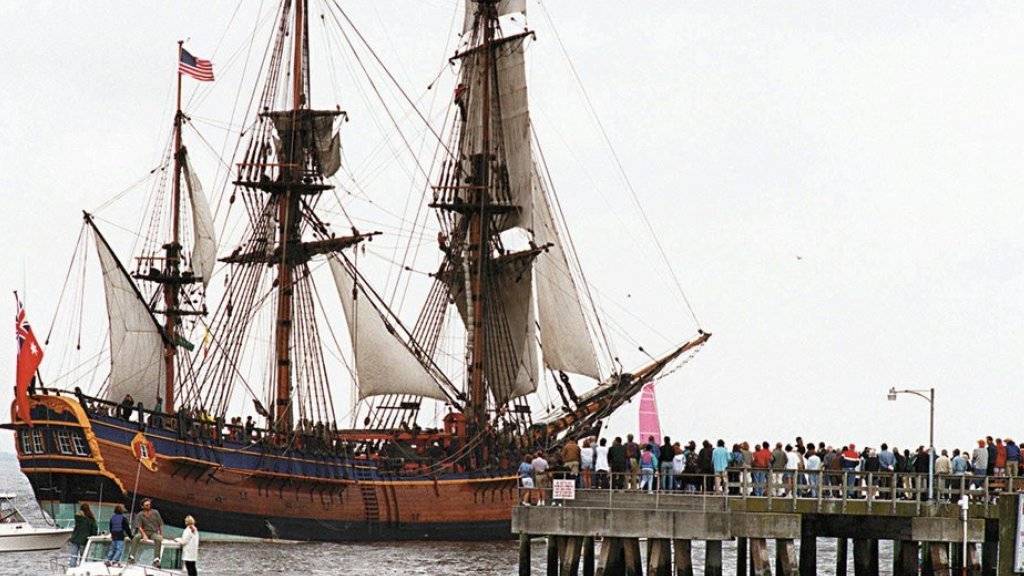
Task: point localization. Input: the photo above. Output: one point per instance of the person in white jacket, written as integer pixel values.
(190, 545)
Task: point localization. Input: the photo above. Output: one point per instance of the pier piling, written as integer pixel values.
(939, 553)
(841, 554)
(610, 562)
(741, 556)
(713, 558)
(659, 557)
(552, 563)
(785, 557)
(808, 551)
(759, 562)
(631, 554)
(524, 554)
(570, 551)
(683, 557)
(905, 556)
(588, 556)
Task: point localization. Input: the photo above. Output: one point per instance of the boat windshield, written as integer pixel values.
(170, 556)
(9, 514)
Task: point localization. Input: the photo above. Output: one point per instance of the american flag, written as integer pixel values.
(197, 68)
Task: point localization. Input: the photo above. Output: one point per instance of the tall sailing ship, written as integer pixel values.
(165, 423)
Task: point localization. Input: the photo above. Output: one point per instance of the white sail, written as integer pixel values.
(136, 341)
(328, 144)
(516, 304)
(510, 123)
(384, 363)
(565, 338)
(204, 238)
(515, 124)
(504, 7)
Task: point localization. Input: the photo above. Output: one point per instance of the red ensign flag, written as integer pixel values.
(30, 354)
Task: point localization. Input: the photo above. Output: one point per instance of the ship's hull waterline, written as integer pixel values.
(239, 490)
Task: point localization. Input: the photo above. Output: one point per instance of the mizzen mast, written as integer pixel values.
(169, 276)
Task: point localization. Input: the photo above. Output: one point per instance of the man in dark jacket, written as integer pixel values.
(921, 468)
(990, 468)
(705, 466)
(665, 455)
(1012, 458)
(617, 462)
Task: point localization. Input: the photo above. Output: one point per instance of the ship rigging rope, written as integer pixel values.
(390, 76)
(376, 90)
(63, 288)
(619, 166)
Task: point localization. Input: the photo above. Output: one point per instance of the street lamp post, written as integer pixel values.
(929, 395)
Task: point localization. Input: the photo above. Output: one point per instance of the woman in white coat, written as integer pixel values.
(190, 545)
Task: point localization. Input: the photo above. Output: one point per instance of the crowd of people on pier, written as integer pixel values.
(799, 468)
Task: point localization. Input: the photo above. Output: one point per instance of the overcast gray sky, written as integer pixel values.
(836, 184)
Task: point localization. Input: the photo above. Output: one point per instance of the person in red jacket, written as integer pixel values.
(762, 459)
(1000, 467)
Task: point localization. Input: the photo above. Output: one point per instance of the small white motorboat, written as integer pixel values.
(94, 560)
(17, 535)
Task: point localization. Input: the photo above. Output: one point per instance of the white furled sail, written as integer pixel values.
(204, 238)
(515, 124)
(510, 124)
(136, 340)
(384, 362)
(504, 7)
(565, 338)
(515, 295)
(328, 145)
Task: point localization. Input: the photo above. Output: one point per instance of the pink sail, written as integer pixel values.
(650, 425)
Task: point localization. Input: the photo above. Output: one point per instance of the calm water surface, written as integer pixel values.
(426, 558)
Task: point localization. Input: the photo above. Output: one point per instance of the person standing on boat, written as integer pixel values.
(85, 526)
(119, 529)
(147, 525)
(190, 545)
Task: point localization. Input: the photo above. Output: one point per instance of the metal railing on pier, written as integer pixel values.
(878, 492)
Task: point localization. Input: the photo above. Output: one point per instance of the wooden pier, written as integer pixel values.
(936, 538)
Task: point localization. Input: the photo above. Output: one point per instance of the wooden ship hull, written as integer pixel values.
(78, 449)
(239, 489)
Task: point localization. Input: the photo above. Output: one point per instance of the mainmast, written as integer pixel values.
(288, 231)
(479, 237)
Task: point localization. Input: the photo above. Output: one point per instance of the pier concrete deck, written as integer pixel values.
(935, 536)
